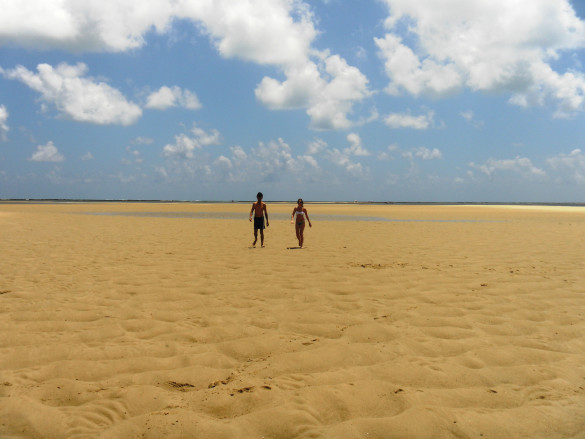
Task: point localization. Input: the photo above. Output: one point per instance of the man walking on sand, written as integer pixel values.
(259, 211)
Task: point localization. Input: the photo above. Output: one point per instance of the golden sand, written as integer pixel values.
(449, 322)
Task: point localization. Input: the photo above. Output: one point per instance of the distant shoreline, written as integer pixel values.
(399, 203)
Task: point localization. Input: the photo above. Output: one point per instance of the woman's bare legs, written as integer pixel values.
(300, 228)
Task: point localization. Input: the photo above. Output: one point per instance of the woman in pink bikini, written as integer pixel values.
(299, 214)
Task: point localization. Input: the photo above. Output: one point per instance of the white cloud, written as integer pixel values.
(263, 31)
(268, 162)
(569, 166)
(327, 90)
(485, 45)
(274, 158)
(47, 153)
(398, 120)
(520, 165)
(417, 77)
(469, 117)
(388, 154)
(303, 82)
(167, 97)
(361, 53)
(135, 156)
(162, 172)
(78, 97)
(204, 138)
(275, 32)
(269, 32)
(142, 141)
(185, 145)
(87, 156)
(356, 148)
(280, 33)
(224, 161)
(427, 154)
(330, 107)
(374, 115)
(575, 159)
(316, 146)
(3, 125)
(310, 160)
(239, 153)
(343, 158)
(106, 25)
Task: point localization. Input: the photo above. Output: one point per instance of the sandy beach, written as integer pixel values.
(159, 321)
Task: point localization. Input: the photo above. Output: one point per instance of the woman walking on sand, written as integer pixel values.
(299, 214)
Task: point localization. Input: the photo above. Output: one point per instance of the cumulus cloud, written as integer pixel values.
(427, 154)
(167, 97)
(344, 157)
(569, 166)
(388, 153)
(399, 120)
(275, 32)
(422, 153)
(344, 160)
(330, 107)
(106, 25)
(3, 125)
(485, 45)
(302, 83)
(417, 77)
(275, 158)
(316, 146)
(520, 165)
(356, 146)
(278, 33)
(328, 91)
(186, 145)
(310, 160)
(263, 31)
(47, 153)
(76, 96)
(272, 162)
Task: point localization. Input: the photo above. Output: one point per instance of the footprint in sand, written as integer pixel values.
(180, 386)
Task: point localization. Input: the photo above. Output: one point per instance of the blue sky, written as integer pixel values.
(386, 100)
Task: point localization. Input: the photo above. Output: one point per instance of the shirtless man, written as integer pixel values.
(259, 211)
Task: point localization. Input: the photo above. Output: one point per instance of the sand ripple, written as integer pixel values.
(468, 322)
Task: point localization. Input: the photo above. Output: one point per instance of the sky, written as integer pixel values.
(328, 100)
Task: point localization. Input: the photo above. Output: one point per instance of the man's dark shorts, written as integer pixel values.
(259, 222)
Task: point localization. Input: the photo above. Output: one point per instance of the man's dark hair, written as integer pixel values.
(259, 195)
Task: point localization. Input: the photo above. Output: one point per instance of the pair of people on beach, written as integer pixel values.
(259, 211)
